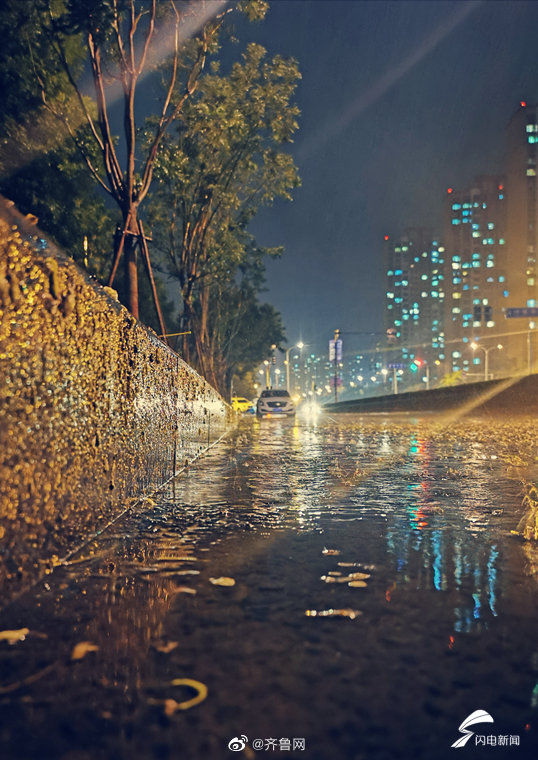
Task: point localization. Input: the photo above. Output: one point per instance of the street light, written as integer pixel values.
(486, 351)
(300, 346)
(267, 373)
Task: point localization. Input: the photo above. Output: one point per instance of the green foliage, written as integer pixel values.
(254, 10)
(39, 169)
(225, 163)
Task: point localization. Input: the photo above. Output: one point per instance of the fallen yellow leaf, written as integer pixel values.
(167, 647)
(347, 612)
(82, 648)
(13, 636)
(182, 590)
(196, 685)
(222, 581)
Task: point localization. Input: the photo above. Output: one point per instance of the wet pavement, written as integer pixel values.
(137, 650)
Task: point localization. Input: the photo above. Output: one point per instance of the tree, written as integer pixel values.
(39, 172)
(119, 37)
(213, 177)
(243, 332)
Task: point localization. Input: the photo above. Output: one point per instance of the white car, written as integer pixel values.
(275, 403)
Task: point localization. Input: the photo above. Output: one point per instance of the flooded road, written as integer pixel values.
(378, 599)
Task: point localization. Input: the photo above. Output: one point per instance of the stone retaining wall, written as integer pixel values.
(95, 410)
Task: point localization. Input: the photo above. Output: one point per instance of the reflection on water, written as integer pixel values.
(426, 512)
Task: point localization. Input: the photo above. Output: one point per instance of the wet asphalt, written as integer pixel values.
(222, 609)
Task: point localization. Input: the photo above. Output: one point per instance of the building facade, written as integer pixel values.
(414, 298)
(522, 229)
(475, 273)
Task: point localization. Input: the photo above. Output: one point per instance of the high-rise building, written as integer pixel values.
(475, 269)
(522, 224)
(414, 296)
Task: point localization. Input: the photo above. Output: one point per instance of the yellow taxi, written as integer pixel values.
(241, 404)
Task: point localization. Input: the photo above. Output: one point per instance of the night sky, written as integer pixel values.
(399, 100)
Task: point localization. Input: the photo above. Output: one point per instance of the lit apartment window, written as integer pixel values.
(531, 302)
(456, 295)
(531, 172)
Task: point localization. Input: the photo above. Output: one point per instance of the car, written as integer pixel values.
(275, 403)
(240, 404)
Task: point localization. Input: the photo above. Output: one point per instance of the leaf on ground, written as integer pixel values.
(12, 637)
(165, 646)
(357, 584)
(81, 649)
(187, 572)
(344, 578)
(329, 579)
(334, 572)
(187, 704)
(222, 581)
(182, 590)
(346, 612)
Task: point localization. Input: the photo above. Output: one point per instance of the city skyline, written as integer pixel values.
(386, 167)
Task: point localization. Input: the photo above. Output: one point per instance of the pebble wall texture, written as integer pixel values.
(95, 411)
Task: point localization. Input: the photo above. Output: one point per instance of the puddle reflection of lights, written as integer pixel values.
(310, 411)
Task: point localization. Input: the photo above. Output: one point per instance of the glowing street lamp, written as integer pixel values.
(475, 346)
(300, 346)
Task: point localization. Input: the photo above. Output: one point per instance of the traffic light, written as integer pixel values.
(416, 364)
(477, 313)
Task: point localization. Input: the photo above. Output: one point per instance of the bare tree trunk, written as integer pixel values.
(130, 263)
